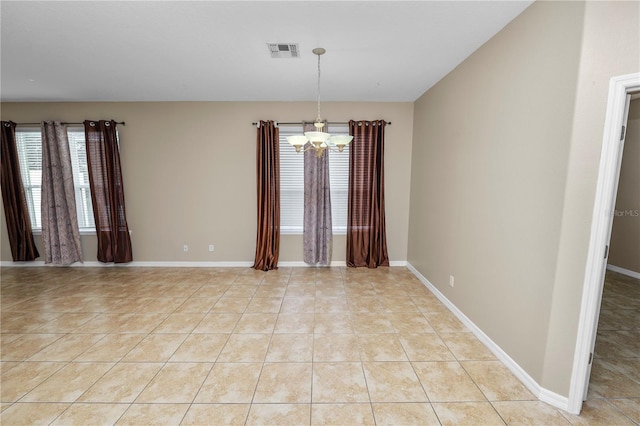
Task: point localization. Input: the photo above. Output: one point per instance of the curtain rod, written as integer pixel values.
(72, 124)
(300, 123)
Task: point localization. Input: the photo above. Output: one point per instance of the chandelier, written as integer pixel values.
(320, 140)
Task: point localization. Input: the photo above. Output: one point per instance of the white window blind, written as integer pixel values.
(29, 144)
(84, 208)
(292, 184)
(339, 181)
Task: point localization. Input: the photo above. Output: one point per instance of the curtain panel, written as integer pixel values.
(317, 229)
(268, 190)
(60, 232)
(107, 192)
(366, 230)
(23, 247)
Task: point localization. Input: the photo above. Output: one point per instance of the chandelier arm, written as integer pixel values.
(329, 147)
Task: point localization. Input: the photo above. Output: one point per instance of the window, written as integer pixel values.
(292, 184)
(29, 144)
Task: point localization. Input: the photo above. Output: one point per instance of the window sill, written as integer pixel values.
(299, 232)
(82, 232)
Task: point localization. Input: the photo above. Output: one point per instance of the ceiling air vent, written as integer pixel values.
(283, 50)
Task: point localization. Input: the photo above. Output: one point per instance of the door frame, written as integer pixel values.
(620, 88)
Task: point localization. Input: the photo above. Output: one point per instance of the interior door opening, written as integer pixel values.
(620, 91)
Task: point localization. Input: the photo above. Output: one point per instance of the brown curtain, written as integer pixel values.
(366, 231)
(60, 232)
(268, 183)
(317, 234)
(107, 192)
(23, 248)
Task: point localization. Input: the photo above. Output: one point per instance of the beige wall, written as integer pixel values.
(505, 157)
(490, 153)
(625, 235)
(189, 173)
(610, 47)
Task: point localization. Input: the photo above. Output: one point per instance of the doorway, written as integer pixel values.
(620, 90)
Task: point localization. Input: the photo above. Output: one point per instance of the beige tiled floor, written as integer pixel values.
(237, 346)
(615, 375)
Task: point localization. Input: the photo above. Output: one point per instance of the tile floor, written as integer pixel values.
(615, 375)
(237, 346)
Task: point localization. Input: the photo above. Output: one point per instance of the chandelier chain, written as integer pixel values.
(319, 139)
(319, 118)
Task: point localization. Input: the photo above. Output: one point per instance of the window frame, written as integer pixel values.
(79, 188)
(343, 168)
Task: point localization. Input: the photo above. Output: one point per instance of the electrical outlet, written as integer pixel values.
(185, 248)
(451, 280)
(211, 247)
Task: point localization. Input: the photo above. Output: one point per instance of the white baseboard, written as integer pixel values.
(301, 264)
(554, 399)
(623, 271)
(246, 264)
(145, 264)
(541, 393)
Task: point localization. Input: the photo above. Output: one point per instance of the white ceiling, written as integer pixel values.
(217, 51)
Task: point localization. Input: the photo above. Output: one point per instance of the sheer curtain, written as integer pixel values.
(366, 230)
(268, 188)
(107, 192)
(23, 248)
(60, 232)
(317, 230)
